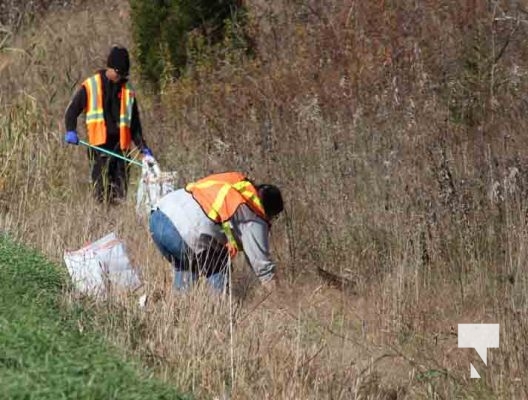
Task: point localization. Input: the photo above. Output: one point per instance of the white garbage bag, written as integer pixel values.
(101, 266)
(153, 185)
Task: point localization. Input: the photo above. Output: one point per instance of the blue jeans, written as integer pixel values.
(184, 279)
(171, 245)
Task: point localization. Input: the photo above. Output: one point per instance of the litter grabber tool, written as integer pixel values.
(111, 153)
(153, 183)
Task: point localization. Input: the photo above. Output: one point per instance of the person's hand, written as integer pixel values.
(271, 285)
(149, 160)
(273, 291)
(147, 152)
(71, 137)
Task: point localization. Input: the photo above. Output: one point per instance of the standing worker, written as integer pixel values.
(112, 122)
(200, 227)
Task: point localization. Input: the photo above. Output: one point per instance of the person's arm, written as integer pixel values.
(75, 108)
(253, 233)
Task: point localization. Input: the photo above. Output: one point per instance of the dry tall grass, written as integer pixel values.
(397, 131)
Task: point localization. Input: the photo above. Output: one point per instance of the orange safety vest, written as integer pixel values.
(95, 123)
(219, 196)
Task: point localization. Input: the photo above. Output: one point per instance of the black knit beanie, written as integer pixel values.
(119, 60)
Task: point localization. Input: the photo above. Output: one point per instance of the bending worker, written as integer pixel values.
(200, 227)
(112, 122)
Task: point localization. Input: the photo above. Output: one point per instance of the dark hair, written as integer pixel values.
(119, 59)
(271, 198)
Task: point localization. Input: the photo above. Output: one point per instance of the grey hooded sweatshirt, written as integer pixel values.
(201, 234)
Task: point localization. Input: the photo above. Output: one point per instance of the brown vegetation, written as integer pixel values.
(397, 131)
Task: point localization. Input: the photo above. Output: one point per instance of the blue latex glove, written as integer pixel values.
(147, 152)
(71, 137)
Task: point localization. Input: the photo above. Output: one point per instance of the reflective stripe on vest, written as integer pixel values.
(232, 246)
(220, 195)
(125, 115)
(95, 123)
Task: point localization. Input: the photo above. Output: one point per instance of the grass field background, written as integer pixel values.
(397, 133)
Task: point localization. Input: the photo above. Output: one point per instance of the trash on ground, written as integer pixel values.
(101, 267)
(142, 301)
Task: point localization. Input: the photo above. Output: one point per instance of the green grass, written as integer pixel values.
(44, 354)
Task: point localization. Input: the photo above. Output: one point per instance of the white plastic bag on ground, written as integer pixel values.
(101, 266)
(153, 185)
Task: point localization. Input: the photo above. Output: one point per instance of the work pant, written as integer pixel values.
(109, 176)
(188, 266)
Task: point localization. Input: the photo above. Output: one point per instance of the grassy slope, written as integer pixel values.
(43, 353)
